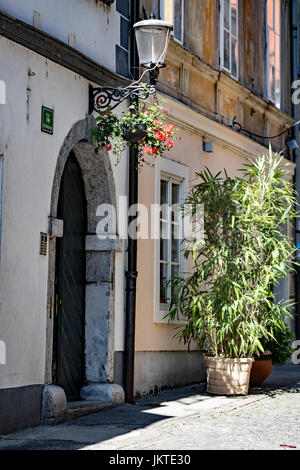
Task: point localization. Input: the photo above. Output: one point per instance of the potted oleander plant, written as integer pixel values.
(226, 300)
(277, 351)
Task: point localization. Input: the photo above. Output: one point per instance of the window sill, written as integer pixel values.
(177, 41)
(226, 72)
(270, 101)
(163, 320)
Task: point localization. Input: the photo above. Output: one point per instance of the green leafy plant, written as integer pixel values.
(278, 349)
(110, 132)
(227, 301)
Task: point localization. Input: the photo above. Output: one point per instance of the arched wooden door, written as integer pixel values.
(69, 322)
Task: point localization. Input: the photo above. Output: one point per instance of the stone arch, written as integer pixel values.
(100, 258)
(96, 170)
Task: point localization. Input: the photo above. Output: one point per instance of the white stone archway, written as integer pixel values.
(100, 265)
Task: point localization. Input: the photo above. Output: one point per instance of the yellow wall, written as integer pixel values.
(159, 337)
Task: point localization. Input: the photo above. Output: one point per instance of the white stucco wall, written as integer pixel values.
(29, 163)
(95, 25)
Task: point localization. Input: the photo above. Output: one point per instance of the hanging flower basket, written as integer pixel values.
(141, 127)
(135, 134)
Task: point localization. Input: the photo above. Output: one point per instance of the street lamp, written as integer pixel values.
(152, 38)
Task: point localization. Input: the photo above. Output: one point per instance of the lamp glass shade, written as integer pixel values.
(152, 38)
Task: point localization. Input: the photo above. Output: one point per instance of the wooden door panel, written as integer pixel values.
(68, 364)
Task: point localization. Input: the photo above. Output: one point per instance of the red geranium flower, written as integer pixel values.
(108, 147)
(169, 129)
(160, 136)
(170, 144)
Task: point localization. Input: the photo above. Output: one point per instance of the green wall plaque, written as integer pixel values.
(47, 120)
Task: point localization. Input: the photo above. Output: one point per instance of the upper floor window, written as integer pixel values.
(173, 12)
(178, 15)
(229, 36)
(273, 51)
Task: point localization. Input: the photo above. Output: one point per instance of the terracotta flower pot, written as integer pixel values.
(134, 135)
(228, 376)
(260, 371)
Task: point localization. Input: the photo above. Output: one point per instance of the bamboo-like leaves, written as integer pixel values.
(227, 300)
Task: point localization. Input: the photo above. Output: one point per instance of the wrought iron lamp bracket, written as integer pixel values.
(104, 97)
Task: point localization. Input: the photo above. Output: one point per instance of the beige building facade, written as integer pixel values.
(203, 96)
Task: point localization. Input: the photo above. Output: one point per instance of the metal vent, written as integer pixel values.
(43, 244)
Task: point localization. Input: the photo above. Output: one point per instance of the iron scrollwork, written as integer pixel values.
(102, 97)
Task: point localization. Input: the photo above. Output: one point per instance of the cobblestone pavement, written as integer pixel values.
(270, 423)
(184, 419)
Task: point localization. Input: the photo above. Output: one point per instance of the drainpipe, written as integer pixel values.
(131, 274)
(295, 68)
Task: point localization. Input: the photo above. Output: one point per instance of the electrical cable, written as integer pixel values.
(234, 123)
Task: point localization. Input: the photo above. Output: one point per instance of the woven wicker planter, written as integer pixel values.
(228, 376)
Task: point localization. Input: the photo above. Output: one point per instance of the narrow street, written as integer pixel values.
(149, 232)
(266, 419)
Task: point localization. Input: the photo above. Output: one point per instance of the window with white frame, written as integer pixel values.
(229, 36)
(170, 236)
(178, 18)
(171, 189)
(1, 184)
(273, 51)
(173, 12)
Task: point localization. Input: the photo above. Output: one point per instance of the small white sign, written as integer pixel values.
(2, 92)
(56, 227)
(2, 352)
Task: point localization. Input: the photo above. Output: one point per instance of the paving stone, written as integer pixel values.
(182, 419)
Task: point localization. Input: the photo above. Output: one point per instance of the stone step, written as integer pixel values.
(77, 409)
